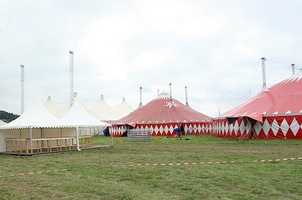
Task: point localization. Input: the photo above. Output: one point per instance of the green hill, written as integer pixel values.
(7, 117)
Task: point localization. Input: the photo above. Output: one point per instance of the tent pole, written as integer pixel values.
(77, 139)
(31, 139)
(111, 139)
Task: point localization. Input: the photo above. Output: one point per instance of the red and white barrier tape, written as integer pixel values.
(207, 163)
(40, 172)
(167, 164)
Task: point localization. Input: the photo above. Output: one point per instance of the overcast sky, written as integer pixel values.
(214, 47)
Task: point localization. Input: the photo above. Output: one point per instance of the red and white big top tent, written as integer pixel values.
(161, 116)
(274, 113)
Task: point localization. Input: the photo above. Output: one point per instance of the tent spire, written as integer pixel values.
(71, 71)
(141, 98)
(264, 87)
(170, 92)
(22, 89)
(293, 69)
(186, 92)
(158, 92)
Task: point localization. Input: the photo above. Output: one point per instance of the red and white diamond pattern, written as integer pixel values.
(273, 127)
(167, 129)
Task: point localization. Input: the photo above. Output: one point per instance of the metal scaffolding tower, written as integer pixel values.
(141, 97)
(264, 87)
(186, 92)
(22, 88)
(71, 73)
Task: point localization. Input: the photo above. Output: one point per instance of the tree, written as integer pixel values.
(7, 117)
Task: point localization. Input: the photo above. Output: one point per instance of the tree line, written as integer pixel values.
(7, 117)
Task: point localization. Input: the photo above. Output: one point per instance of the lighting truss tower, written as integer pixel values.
(22, 88)
(170, 92)
(263, 74)
(186, 92)
(141, 97)
(71, 74)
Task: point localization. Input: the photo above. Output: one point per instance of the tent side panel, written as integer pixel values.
(239, 129)
(4, 134)
(167, 129)
(273, 127)
(280, 127)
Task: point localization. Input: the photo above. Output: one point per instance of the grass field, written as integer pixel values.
(104, 174)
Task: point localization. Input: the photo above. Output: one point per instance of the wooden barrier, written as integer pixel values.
(46, 145)
(85, 141)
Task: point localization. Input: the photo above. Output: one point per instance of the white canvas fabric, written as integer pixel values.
(104, 111)
(2, 123)
(35, 116)
(123, 108)
(57, 109)
(79, 117)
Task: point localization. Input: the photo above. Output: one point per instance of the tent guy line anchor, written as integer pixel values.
(208, 163)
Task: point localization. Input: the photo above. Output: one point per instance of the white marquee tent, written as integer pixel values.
(102, 109)
(37, 124)
(123, 108)
(57, 109)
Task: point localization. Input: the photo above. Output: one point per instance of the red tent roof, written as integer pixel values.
(162, 110)
(282, 98)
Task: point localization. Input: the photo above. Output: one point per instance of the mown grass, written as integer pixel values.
(102, 174)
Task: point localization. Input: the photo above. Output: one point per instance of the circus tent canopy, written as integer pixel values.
(274, 113)
(162, 116)
(163, 110)
(282, 98)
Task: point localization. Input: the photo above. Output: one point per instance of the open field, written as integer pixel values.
(103, 174)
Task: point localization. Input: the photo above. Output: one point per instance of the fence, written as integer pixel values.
(137, 135)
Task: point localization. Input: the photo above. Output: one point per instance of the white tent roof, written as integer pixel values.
(35, 116)
(102, 109)
(123, 108)
(57, 109)
(2, 123)
(79, 117)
